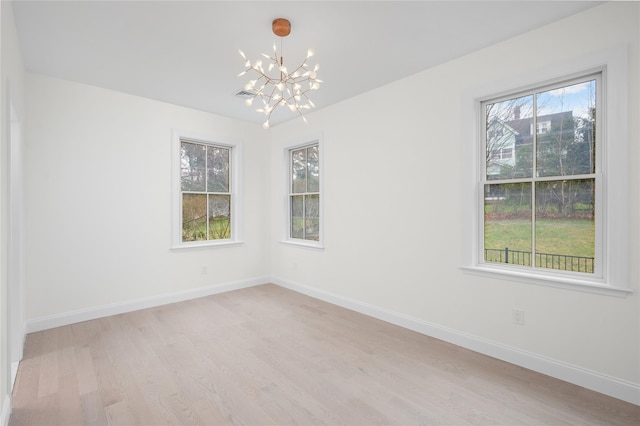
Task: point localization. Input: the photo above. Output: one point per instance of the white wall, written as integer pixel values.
(98, 200)
(11, 94)
(393, 208)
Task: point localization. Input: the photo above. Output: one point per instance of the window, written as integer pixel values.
(501, 153)
(540, 210)
(544, 126)
(553, 211)
(304, 199)
(205, 200)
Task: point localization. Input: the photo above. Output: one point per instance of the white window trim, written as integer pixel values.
(286, 210)
(614, 281)
(176, 198)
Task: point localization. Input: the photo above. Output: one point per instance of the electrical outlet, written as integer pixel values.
(517, 316)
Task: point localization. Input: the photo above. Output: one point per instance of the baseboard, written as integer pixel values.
(66, 318)
(6, 411)
(616, 388)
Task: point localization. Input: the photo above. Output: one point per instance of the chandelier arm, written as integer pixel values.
(299, 67)
(270, 97)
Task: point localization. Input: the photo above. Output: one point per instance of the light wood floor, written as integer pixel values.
(267, 355)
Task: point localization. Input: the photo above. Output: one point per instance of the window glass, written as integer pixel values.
(304, 197)
(192, 167)
(539, 210)
(566, 146)
(205, 187)
(508, 130)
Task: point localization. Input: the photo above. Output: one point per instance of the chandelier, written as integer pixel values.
(278, 86)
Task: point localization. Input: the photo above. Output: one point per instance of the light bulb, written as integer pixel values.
(248, 102)
(310, 53)
(265, 125)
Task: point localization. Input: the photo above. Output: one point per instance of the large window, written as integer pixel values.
(540, 188)
(205, 200)
(304, 194)
(545, 182)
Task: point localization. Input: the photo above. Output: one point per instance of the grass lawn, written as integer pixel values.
(574, 237)
(219, 229)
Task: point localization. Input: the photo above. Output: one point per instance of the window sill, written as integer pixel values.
(205, 245)
(567, 283)
(305, 244)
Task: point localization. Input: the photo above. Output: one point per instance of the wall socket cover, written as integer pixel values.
(517, 316)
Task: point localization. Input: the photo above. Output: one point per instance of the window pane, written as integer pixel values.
(217, 169)
(297, 216)
(219, 217)
(507, 223)
(194, 217)
(299, 171)
(565, 130)
(508, 138)
(565, 225)
(192, 167)
(312, 217)
(313, 184)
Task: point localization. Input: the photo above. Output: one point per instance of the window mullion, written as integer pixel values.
(304, 216)
(206, 186)
(534, 175)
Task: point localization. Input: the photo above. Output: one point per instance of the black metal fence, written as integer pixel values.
(543, 260)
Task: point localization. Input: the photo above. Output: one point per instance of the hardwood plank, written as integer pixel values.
(69, 402)
(48, 381)
(93, 410)
(85, 371)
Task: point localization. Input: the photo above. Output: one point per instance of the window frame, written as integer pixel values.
(288, 193)
(235, 152)
(611, 206)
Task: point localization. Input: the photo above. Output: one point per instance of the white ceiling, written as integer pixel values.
(186, 52)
